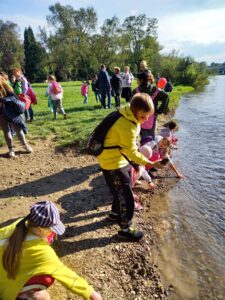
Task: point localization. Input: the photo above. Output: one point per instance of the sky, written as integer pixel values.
(193, 27)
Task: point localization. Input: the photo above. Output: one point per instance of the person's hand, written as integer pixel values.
(151, 185)
(180, 176)
(156, 164)
(95, 296)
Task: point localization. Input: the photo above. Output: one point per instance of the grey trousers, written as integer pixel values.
(5, 125)
(57, 104)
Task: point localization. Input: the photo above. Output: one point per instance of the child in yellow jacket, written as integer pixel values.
(29, 265)
(115, 166)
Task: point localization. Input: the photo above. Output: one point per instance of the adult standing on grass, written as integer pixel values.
(29, 113)
(116, 83)
(121, 138)
(56, 92)
(127, 78)
(104, 86)
(11, 110)
(29, 265)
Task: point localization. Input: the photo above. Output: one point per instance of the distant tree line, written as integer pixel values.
(74, 47)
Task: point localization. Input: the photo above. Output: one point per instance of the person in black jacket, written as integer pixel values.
(116, 83)
(143, 84)
(104, 86)
(11, 110)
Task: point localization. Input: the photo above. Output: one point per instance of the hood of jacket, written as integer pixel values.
(128, 114)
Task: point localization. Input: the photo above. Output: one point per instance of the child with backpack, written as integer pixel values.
(27, 90)
(56, 92)
(11, 110)
(84, 90)
(119, 148)
(28, 263)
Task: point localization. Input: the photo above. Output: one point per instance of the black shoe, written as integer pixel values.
(131, 234)
(113, 217)
(153, 170)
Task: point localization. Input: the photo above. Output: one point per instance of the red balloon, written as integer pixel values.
(161, 82)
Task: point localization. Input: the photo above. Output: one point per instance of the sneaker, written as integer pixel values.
(137, 206)
(113, 216)
(131, 234)
(65, 116)
(28, 148)
(11, 153)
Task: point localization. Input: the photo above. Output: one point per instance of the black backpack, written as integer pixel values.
(95, 143)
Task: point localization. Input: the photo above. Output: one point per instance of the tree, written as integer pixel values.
(11, 50)
(70, 46)
(35, 57)
(139, 30)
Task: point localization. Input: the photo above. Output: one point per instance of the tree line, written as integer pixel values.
(74, 47)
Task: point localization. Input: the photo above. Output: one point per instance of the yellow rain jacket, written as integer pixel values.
(123, 133)
(38, 258)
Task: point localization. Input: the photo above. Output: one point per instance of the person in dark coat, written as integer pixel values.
(11, 110)
(116, 83)
(104, 86)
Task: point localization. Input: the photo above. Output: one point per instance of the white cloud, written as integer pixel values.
(184, 31)
(204, 26)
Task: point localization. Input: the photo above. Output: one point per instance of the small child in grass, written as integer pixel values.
(84, 91)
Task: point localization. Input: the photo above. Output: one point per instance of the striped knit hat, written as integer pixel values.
(46, 214)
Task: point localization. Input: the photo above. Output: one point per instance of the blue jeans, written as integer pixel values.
(97, 96)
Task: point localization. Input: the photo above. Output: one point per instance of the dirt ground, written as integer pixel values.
(117, 269)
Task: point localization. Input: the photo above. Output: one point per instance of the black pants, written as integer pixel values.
(119, 183)
(117, 100)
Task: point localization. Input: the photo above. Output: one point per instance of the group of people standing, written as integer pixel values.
(28, 264)
(105, 87)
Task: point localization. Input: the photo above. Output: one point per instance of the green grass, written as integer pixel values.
(81, 120)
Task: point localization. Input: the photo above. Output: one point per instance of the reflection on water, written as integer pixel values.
(193, 249)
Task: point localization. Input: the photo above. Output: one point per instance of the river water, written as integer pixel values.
(192, 253)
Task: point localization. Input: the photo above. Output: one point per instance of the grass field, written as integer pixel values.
(81, 119)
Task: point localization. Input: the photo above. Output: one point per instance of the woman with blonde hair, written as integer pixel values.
(11, 110)
(127, 78)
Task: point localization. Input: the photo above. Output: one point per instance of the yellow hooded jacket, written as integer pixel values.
(38, 258)
(123, 133)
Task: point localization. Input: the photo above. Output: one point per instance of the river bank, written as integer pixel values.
(118, 269)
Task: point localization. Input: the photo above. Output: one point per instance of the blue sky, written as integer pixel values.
(192, 27)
